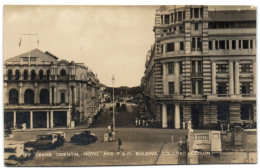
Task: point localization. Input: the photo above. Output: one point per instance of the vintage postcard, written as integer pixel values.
(129, 85)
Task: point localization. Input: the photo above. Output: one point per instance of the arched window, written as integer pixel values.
(62, 72)
(44, 97)
(48, 74)
(10, 74)
(13, 96)
(17, 75)
(41, 74)
(28, 97)
(25, 75)
(33, 75)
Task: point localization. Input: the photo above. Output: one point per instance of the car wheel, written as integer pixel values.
(12, 157)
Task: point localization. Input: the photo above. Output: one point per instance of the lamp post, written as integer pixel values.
(113, 80)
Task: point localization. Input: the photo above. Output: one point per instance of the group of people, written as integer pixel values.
(145, 122)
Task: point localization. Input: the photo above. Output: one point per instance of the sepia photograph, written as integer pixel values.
(129, 85)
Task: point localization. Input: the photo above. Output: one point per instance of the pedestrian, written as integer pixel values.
(180, 145)
(11, 133)
(136, 121)
(119, 145)
(143, 122)
(109, 128)
(139, 122)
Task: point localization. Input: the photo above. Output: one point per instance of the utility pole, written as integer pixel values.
(113, 80)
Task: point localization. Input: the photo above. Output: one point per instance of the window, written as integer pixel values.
(174, 28)
(222, 68)
(33, 59)
(245, 68)
(222, 44)
(25, 75)
(227, 44)
(17, 75)
(25, 59)
(28, 97)
(162, 48)
(222, 88)
(245, 44)
(62, 72)
(245, 87)
(33, 75)
(171, 87)
(199, 44)
(172, 18)
(199, 66)
(193, 66)
(48, 74)
(170, 47)
(181, 29)
(62, 97)
(181, 45)
(200, 87)
(239, 44)
(233, 44)
(183, 15)
(191, 14)
(161, 19)
(196, 12)
(170, 67)
(216, 45)
(193, 41)
(41, 74)
(13, 96)
(223, 110)
(180, 63)
(210, 45)
(175, 17)
(181, 88)
(179, 16)
(196, 27)
(167, 19)
(193, 86)
(251, 44)
(246, 112)
(201, 12)
(10, 74)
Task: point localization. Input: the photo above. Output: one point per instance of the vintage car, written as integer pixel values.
(50, 140)
(14, 151)
(85, 137)
(11, 163)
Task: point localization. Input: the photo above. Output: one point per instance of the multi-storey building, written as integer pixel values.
(43, 92)
(202, 67)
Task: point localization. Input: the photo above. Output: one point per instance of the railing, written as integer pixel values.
(248, 95)
(223, 95)
(199, 74)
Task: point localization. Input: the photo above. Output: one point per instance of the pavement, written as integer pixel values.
(140, 145)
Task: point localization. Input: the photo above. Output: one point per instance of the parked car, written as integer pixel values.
(50, 140)
(84, 137)
(11, 163)
(14, 152)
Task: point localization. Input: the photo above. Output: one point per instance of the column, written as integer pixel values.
(164, 115)
(36, 95)
(31, 119)
(14, 122)
(196, 67)
(213, 45)
(230, 44)
(68, 118)
(75, 95)
(177, 78)
(80, 95)
(50, 91)
(6, 95)
(48, 119)
(213, 77)
(254, 77)
(70, 95)
(177, 117)
(164, 79)
(231, 78)
(51, 118)
(196, 87)
(55, 95)
(21, 93)
(237, 83)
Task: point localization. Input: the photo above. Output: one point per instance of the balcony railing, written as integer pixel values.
(197, 75)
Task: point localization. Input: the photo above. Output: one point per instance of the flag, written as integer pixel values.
(20, 42)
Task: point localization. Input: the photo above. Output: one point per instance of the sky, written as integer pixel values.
(107, 39)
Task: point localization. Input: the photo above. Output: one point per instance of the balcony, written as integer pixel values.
(170, 97)
(197, 75)
(233, 97)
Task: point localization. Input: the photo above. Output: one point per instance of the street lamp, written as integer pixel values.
(113, 80)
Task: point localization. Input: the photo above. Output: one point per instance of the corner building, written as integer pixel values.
(47, 93)
(202, 67)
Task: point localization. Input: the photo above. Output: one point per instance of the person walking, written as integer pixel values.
(119, 145)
